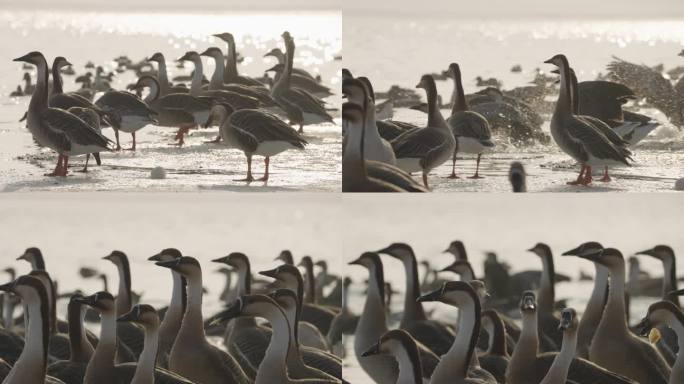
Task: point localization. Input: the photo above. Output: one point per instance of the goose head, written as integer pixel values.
(322, 264)
(145, 81)
(346, 74)
(36, 58)
(102, 302)
(568, 320)
(454, 293)
(247, 305)
(354, 90)
(237, 260)
(285, 256)
(11, 271)
(190, 56)
(454, 71)
(142, 314)
(458, 267)
(286, 36)
(34, 257)
(166, 255)
(426, 81)
(660, 252)
(400, 251)
(528, 303)
(558, 60)
(187, 266)
(352, 113)
(610, 258)
(117, 258)
(306, 262)
(659, 313)
(275, 52)
(681, 53)
(213, 52)
(27, 287)
(587, 248)
(286, 276)
(225, 36)
(540, 249)
(219, 113)
(278, 68)
(457, 249)
(60, 62)
(391, 342)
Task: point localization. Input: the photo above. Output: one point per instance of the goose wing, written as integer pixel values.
(75, 129)
(418, 143)
(236, 100)
(234, 373)
(393, 175)
(306, 101)
(323, 361)
(318, 316)
(432, 335)
(68, 100)
(470, 124)
(265, 126)
(248, 347)
(260, 93)
(593, 142)
(124, 103)
(184, 102)
(657, 366)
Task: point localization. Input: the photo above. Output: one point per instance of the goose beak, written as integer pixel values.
(224, 259)
(648, 252)
(171, 264)
(373, 350)
(355, 262)
(233, 311)
(9, 287)
(572, 252)
(156, 257)
(205, 53)
(446, 269)
(386, 251)
(549, 61)
(24, 58)
(22, 257)
(529, 303)
(87, 300)
(108, 257)
(273, 273)
(644, 326)
(435, 295)
(272, 69)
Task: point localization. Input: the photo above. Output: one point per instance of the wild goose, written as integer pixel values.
(528, 366)
(665, 313)
(173, 317)
(372, 325)
(301, 107)
(31, 366)
(462, 268)
(496, 358)
(613, 345)
(127, 113)
(470, 129)
(280, 56)
(300, 82)
(101, 368)
(231, 75)
(93, 119)
(558, 373)
(401, 346)
(594, 309)
(517, 176)
(58, 99)
(81, 350)
(17, 92)
(180, 110)
(432, 334)
(227, 294)
(255, 132)
(344, 323)
(304, 361)
(246, 340)
(666, 256)
(460, 363)
(129, 334)
(165, 87)
(55, 128)
(288, 276)
(375, 147)
(323, 279)
(273, 368)
(211, 365)
(577, 137)
(29, 88)
(426, 148)
(548, 318)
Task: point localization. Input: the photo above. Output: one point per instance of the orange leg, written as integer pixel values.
(249, 177)
(267, 160)
(425, 182)
(133, 147)
(606, 177)
(477, 169)
(587, 176)
(58, 167)
(580, 178)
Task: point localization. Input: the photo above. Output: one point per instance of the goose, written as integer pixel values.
(55, 128)
(127, 112)
(309, 280)
(547, 316)
(594, 309)
(301, 107)
(231, 74)
(280, 56)
(527, 366)
(17, 92)
(614, 346)
(323, 279)
(146, 316)
(401, 346)
(210, 365)
(31, 366)
(496, 358)
(101, 368)
(58, 99)
(288, 276)
(173, 317)
(273, 368)
(426, 148)
(432, 334)
(301, 82)
(470, 129)
(372, 325)
(665, 313)
(101, 82)
(181, 110)
(129, 333)
(245, 339)
(165, 87)
(580, 139)
(461, 268)
(80, 349)
(344, 322)
(460, 363)
(255, 132)
(93, 119)
(558, 372)
(518, 177)
(227, 294)
(29, 88)
(376, 148)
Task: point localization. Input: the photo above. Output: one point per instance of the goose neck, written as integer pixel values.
(546, 289)
(163, 77)
(76, 337)
(144, 372)
(123, 299)
(35, 350)
(56, 80)
(435, 118)
(413, 309)
(353, 160)
(455, 363)
(560, 367)
(409, 366)
(670, 279)
(528, 343)
(216, 81)
(40, 94)
(154, 93)
(460, 103)
(197, 76)
(174, 315)
(272, 368)
(106, 347)
(614, 313)
(193, 325)
(563, 105)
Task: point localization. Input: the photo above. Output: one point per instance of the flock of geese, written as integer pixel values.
(251, 117)
(139, 344)
(549, 344)
(587, 123)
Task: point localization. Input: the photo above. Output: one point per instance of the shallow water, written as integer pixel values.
(508, 226)
(102, 36)
(399, 49)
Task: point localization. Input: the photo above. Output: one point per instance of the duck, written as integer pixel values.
(577, 137)
(638, 359)
(666, 314)
(558, 372)
(401, 346)
(434, 335)
(470, 128)
(31, 366)
(211, 365)
(302, 108)
(426, 148)
(460, 363)
(58, 129)
(528, 366)
(256, 132)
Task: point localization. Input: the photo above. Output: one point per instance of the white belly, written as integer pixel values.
(272, 148)
(596, 162)
(77, 149)
(470, 145)
(310, 118)
(409, 164)
(133, 123)
(201, 117)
